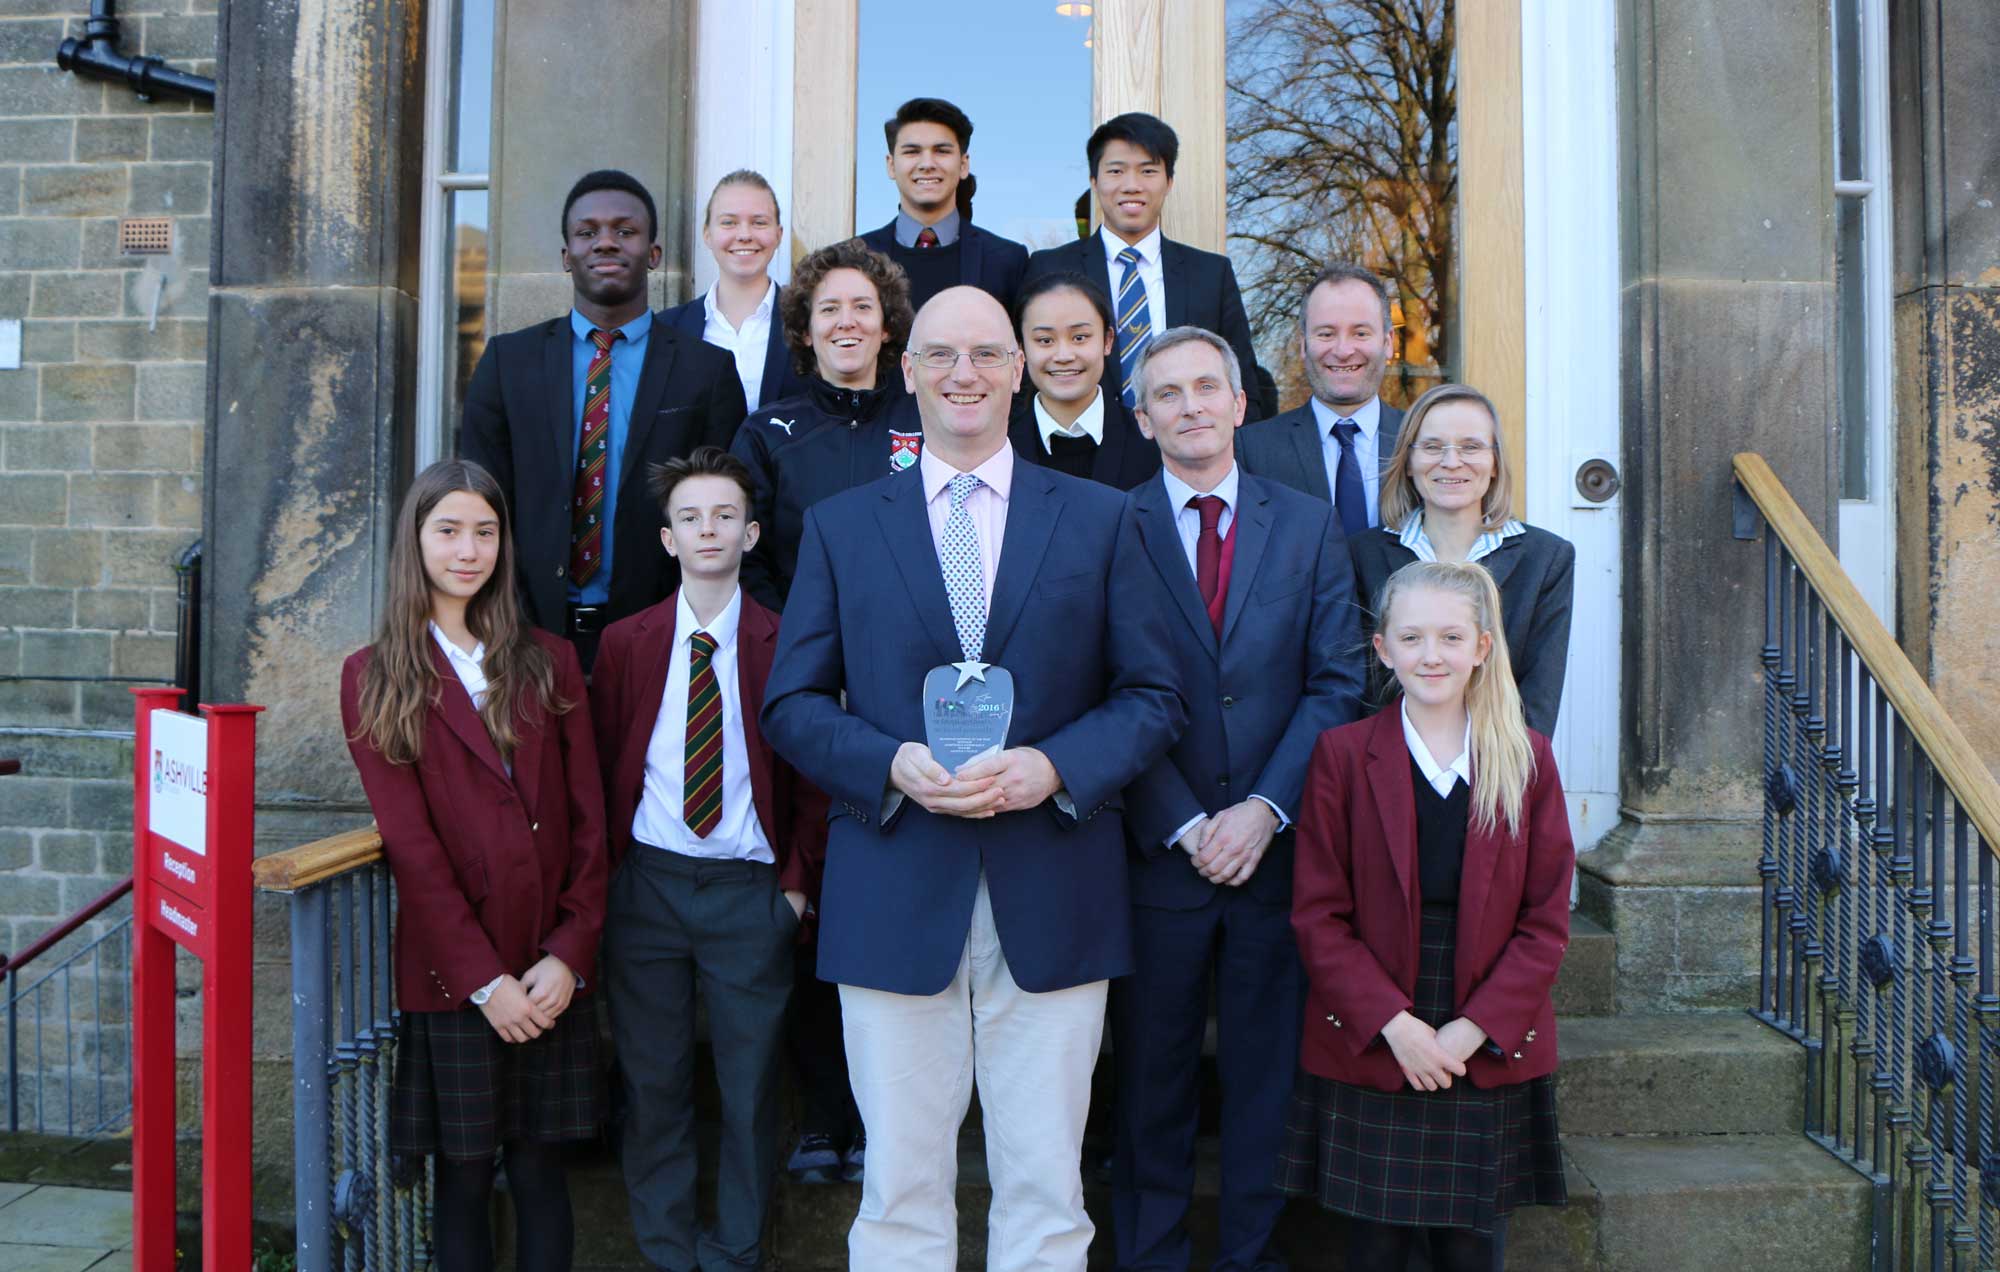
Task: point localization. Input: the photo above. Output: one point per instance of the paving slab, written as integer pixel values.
(57, 1216)
(48, 1258)
(13, 1192)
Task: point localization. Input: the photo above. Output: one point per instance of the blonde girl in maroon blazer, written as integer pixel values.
(1431, 906)
(474, 745)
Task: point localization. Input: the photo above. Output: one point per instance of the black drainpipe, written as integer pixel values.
(97, 54)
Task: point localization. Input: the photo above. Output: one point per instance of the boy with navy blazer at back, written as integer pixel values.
(716, 846)
(1266, 642)
(1154, 282)
(933, 237)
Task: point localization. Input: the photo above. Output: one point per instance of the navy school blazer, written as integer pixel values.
(1076, 622)
(1124, 459)
(780, 380)
(1285, 670)
(492, 871)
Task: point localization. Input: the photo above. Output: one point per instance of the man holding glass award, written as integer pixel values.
(973, 666)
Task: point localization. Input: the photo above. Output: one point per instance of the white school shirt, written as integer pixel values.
(1151, 273)
(658, 822)
(1089, 424)
(748, 344)
(1441, 777)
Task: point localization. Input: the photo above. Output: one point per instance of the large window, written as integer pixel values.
(1024, 79)
(458, 134)
(1343, 145)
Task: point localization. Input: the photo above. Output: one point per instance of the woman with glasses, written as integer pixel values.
(1447, 495)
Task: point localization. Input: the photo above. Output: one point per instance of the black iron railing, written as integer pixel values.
(1879, 828)
(353, 1209)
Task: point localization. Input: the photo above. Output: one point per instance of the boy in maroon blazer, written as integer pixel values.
(716, 847)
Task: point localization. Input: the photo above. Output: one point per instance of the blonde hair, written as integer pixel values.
(1503, 757)
(743, 177)
(1399, 490)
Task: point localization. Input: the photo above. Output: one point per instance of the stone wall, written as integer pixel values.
(100, 433)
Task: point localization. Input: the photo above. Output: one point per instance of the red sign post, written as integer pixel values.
(194, 786)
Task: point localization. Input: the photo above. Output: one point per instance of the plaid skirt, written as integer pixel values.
(1462, 1157)
(460, 1091)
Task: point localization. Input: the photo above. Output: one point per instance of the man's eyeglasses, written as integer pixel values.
(1434, 452)
(940, 358)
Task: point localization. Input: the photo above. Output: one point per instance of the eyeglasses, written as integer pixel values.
(940, 358)
(1434, 452)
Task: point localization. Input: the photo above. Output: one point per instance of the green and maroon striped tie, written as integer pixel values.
(701, 792)
(586, 518)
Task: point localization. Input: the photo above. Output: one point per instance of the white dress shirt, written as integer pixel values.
(1441, 777)
(1089, 424)
(1151, 273)
(1368, 445)
(748, 344)
(658, 821)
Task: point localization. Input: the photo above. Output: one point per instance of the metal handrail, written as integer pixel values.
(65, 928)
(1940, 737)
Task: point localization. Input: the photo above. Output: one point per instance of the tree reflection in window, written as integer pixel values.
(1343, 145)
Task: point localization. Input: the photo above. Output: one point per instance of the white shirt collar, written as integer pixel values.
(1413, 537)
(997, 472)
(1090, 423)
(476, 659)
(1441, 777)
(722, 627)
(712, 312)
(1148, 249)
(1179, 492)
(1368, 417)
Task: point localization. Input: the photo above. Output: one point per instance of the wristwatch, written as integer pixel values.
(484, 992)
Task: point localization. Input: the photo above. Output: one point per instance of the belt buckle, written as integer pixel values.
(586, 620)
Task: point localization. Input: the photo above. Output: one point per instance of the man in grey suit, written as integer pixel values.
(1338, 445)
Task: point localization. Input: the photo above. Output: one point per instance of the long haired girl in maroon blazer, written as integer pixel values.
(1431, 905)
(474, 746)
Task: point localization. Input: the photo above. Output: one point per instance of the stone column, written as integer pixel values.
(543, 140)
(1727, 344)
(1947, 322)
(311, 355)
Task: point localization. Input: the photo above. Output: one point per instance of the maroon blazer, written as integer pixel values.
(1357, 913)
(491, 871)
(626, 684)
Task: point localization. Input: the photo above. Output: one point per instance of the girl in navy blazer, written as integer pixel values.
(1431, 905)
(474, 746)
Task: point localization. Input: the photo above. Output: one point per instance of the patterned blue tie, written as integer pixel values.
(1135, 324)
(964, 573)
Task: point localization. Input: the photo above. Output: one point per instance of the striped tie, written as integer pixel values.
(1135, 324)
(701, 789)
(586, 531)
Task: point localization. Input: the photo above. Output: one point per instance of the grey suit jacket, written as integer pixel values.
(1287, 449)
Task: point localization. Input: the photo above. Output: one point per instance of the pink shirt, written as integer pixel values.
(987, 504)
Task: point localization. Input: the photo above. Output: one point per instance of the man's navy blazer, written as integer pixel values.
(1122, 460)
(1286, 669)
(1287, 449)
(520, 424)
(1201, 292)
(780, 380)
(1080, 627)
(995, 265)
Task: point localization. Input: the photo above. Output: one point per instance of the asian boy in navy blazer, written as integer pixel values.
(1267, 644)
(572, 461)
(1154, 283)
(972, 919)
(1338, 445)
(933, 237)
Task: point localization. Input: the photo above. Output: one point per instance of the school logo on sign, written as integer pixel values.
(903, 449)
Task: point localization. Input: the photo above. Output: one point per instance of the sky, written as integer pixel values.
(1020, 70)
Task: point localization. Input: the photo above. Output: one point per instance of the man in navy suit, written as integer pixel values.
(1154, 282)
(972, 919)
(1339, 444)
(933, 237)
(1267, 644)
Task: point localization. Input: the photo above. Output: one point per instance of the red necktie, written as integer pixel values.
(1208, 556)
(927, 237)
(586, 530)
(701, 784)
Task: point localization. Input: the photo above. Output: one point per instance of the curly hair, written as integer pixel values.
(892, 290)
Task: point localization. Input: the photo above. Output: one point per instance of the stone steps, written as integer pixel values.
(1677, 1074)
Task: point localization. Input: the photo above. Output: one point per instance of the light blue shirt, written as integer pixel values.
(1367, 450)
(1413, 537)
(627, 357)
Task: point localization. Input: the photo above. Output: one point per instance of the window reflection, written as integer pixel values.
(1343, 145)
(467, 280)
(1023, 78)
(472, 87)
